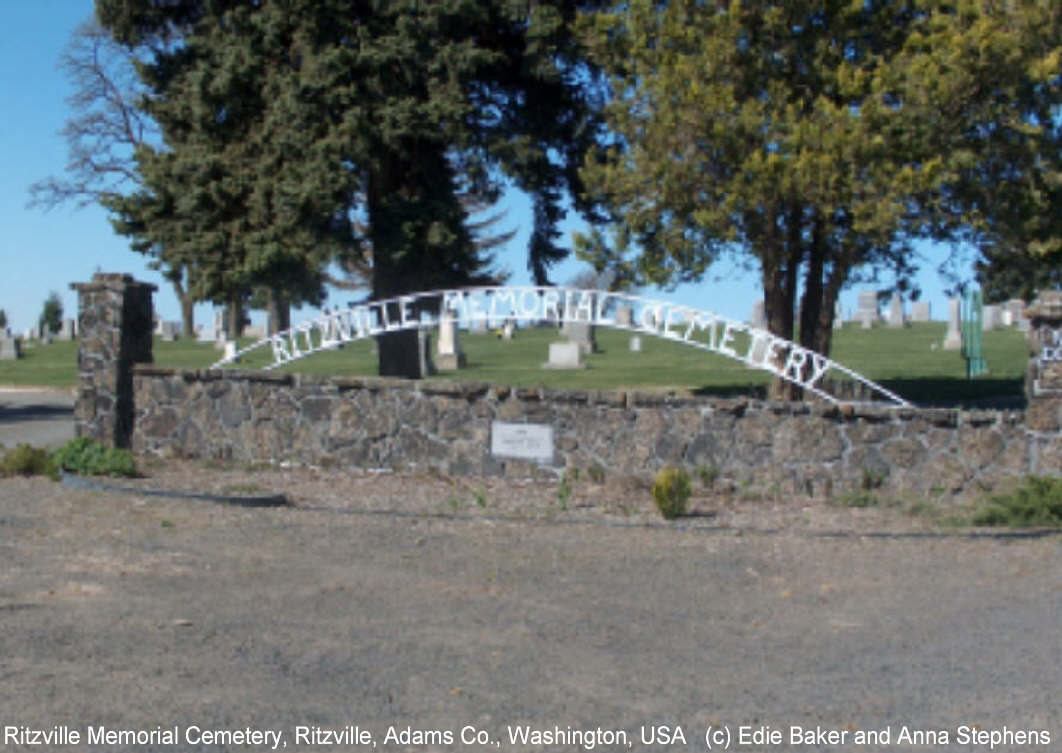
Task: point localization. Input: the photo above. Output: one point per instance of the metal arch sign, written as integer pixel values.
(705, 330)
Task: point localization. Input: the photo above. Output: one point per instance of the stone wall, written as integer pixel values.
(261, 417)
(114, 322)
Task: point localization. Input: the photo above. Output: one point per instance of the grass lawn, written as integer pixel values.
(904, 361)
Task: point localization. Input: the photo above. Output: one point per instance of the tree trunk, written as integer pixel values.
(779, 290)
(395, 216)
(780, 272)
(279, 310)
(811, 301)
(234, 319)
(187, 302)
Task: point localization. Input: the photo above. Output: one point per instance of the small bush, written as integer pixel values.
(671, 491)
(872, 479)
(564, 491)
(90, 457)
(1037, 503)
(26, 460)
(596, 473)
(855, 498)
(708, 474)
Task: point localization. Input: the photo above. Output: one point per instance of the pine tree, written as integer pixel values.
(283, 120)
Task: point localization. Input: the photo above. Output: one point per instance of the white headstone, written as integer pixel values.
(623, 315)
(636, 344)
(990, 318)
(66, 331)
(838, 316)
(895, 311)
(1016, 308)
(867, 308)
(564, 355)
(507, 331)
(9, 349)
(230, 349)
(920, 311)
(219, 325)
(448, 353)
(204, 335)
(169, 332)
(582, 334)
(953, 338)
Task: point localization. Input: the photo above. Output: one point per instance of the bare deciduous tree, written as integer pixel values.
(108, 125)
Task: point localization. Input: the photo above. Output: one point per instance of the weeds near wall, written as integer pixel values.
(1036, 503)
(26, 460)
(90, 457)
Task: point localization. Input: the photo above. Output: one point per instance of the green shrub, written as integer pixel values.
(708, 474)
(1036, 503)
(671, 491)
(90, 457)
(564, 491)
(26, 460)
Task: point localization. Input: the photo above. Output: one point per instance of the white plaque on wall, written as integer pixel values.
(525, 441)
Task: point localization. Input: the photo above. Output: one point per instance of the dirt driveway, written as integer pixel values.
(231, 628)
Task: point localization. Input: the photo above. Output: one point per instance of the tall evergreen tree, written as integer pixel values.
(282, 118)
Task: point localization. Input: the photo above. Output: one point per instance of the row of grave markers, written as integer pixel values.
(11, 345)
(867, 314)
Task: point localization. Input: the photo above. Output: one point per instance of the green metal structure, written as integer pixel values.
(972, 329)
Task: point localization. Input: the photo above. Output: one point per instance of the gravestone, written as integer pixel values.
(30, 334)
(9, 349)
(222, 340)
(838, 316)
(230, 350)
(953, 337)
(623, 315)
(636, 344)
(66, 331)
(758, 317)
(507, 330)
(478, 326)
(991, 319)
(582, 334)
(564, 355)
(896, 311)
(448, 353)
(867, 309)
(920, 311)
(169, 332)
(1016, 307)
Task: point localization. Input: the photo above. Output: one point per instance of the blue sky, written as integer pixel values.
(42, 251)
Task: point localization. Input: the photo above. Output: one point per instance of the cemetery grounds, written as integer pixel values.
(404, 604)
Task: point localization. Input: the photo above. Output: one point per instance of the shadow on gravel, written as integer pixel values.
(33, 412)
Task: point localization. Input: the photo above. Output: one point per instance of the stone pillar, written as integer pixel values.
(114, 323)
(1043, 378)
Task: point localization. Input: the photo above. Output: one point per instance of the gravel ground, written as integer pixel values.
(40, 417)
(413, 608)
